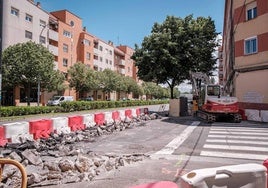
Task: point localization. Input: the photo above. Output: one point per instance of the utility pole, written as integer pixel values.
(1, 35)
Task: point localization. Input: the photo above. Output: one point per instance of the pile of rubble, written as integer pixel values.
(57, 160)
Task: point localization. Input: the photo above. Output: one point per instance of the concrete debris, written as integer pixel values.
(56, 160)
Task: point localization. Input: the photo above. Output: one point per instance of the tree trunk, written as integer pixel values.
(28, 94)
(171, 92)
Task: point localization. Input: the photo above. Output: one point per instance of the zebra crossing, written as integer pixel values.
(237, 142)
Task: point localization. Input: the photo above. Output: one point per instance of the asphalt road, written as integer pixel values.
(178, 145)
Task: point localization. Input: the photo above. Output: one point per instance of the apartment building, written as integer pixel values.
(245, 52)
(24, 21)
(62, 32)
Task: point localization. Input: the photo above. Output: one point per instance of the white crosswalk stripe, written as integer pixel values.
(237, 142)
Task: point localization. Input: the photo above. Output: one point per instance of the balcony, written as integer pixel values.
(122, 62)
(95, 62)
(96, 51)
(53, 35)
(53, 49)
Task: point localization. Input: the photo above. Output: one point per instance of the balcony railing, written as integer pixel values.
(122, 62)
(53, 49)
(53, 35)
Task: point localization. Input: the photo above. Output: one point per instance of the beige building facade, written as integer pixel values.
(245, 52)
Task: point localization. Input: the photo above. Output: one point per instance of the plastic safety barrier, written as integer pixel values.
(235, 176)
(89, 120)
(138, 112)
(99, 119)
(17, 132)
(41, 128)
(60, 125)
(3, 140)
(128, 113)
(108, 118)
(76, 123)
(116, 116)
(145, 111)
(265, 163)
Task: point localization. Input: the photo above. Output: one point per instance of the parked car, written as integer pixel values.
(87, 99)
(56, 100)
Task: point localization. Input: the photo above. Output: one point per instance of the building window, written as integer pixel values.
(14, 11)
(88, 56)
(72, 23)
(251, 13)
(111, 53)
(101, 48)
(111, 62)
(65, 48)
(28, 35)
(42, 40)
(28, 18)
(100, 59)
(251, 46)
(67, 34)
(65, 62)
(86, 42)
(43, 23)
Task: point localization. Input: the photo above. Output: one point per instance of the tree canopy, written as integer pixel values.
(26, 64)
(174, 48)
(82, 78)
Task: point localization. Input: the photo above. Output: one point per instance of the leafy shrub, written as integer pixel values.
(73, 106)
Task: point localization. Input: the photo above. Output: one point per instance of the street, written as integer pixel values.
(177, 145)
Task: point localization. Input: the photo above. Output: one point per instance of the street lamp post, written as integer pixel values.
(38, 92)
(1, 28)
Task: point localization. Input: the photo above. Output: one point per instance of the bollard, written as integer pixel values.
(265, 163)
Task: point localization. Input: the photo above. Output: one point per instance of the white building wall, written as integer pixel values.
(14, 26)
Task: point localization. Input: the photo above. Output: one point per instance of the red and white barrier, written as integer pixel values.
(88, 120)
(76, 123)
(60, 125)
(116, 116)
(108, 118)
(41, 128)
(17, 132)
(99, 119)
(3, 140)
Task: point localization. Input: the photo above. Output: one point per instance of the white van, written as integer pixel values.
(56, 100)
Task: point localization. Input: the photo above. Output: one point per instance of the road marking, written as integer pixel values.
(240, 133)
(228, 147)
(227, 141)
(239, 130)
(176, 142)
(238, 137)
(233, 155)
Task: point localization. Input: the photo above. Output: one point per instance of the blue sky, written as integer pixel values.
(127, 22)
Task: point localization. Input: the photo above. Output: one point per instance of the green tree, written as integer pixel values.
(82, 78)
(26, 64)
(174, 48)
(57, 82)
(150, 89)
(108, 80)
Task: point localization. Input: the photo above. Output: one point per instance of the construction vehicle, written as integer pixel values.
(208, 102)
